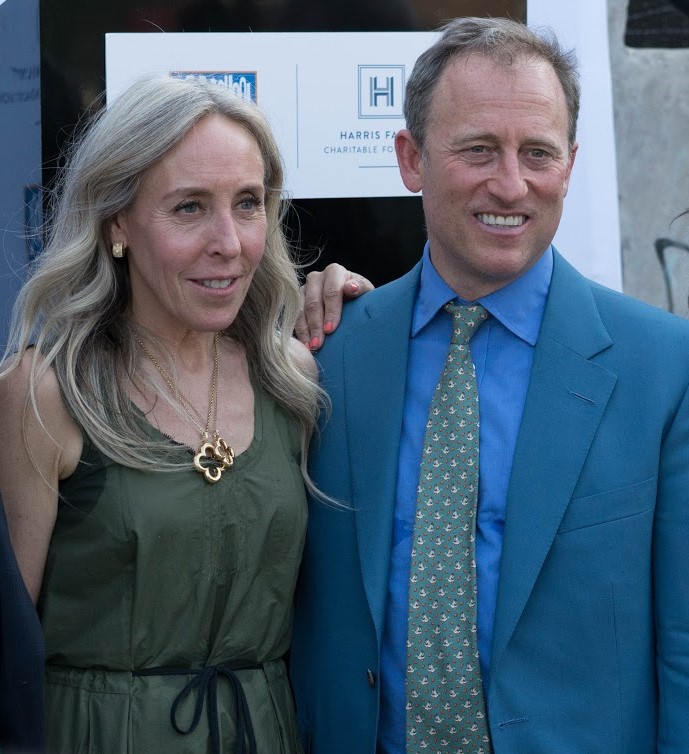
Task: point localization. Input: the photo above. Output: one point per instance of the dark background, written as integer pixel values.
(657, 23)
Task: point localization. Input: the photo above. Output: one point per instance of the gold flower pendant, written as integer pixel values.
(213, 458)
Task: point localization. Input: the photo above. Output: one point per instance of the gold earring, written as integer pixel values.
(117, 250)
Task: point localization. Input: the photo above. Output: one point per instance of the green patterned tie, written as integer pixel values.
(446, 710)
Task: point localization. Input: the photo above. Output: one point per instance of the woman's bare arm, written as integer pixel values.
(33, 459)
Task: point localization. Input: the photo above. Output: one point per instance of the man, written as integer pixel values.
(581, 521)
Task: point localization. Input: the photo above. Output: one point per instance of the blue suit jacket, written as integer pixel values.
(21, 657)
(591, 635)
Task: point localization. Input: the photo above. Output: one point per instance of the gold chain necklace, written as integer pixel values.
(214, 455)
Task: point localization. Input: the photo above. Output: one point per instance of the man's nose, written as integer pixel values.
(508, 182)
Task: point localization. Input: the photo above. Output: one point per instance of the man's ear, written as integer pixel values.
(410, 160)
(570, 165)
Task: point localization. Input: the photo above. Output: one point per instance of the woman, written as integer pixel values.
(155, 419)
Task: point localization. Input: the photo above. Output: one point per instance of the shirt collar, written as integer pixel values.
(519, 306)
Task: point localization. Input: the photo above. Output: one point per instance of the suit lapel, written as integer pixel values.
(565, 402)
(375, 375)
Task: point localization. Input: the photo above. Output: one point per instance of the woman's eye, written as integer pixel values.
(188, 208)
(250, 202)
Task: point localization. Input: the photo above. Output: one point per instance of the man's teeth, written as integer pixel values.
(505, 220)
(217, 283)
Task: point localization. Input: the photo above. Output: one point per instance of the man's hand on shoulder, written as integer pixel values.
(322, 297)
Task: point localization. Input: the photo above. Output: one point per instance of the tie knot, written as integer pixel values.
(466, 321)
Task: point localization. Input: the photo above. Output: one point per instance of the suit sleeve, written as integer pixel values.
(671, 586)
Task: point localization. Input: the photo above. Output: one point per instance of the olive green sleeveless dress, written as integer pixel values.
(167, 603)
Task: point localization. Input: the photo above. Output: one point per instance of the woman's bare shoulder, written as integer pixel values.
(304, 358)
(33, 411)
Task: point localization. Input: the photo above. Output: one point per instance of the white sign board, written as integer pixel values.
(334, 100)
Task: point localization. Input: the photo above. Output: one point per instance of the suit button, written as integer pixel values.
(371, 678)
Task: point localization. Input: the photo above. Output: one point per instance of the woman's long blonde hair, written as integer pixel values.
(73, 309)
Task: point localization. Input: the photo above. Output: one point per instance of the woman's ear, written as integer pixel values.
(117, 228)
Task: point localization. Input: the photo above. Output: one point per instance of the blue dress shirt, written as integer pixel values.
(503, 351)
